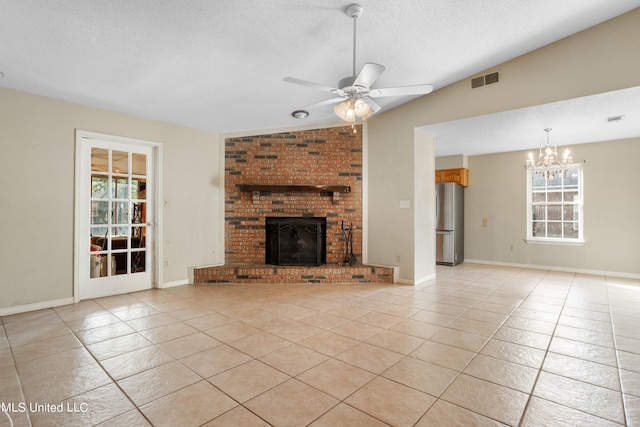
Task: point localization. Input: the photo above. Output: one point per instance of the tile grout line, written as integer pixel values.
(484, 345)
(18, 380)
(113, 380)
(546, 352)
(615, 346)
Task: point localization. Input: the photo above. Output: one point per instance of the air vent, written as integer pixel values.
(485, 80)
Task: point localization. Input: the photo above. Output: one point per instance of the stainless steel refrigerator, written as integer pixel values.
(449, 223)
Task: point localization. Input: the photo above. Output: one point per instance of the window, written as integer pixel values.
(554, 207)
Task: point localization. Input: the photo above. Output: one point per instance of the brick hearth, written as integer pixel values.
(319, 159)
(262, 273)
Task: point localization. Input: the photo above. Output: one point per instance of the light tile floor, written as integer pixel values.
(481, 345)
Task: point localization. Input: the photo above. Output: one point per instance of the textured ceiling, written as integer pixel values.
(574, 121)
(218, 65)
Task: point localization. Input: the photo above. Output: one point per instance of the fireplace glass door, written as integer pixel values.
(295, 241)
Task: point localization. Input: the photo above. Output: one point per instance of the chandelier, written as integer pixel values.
(549, 164)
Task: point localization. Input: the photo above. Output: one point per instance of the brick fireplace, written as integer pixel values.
(307, 174)
(314, 158)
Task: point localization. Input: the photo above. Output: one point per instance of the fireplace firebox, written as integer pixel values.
(295, 241)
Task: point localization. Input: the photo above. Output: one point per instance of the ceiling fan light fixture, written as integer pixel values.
(350, 110)
(346, 110)
(362, 109)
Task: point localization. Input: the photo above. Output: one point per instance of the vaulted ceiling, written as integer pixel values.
(219, 65)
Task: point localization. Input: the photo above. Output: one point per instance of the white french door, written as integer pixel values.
(115, 217)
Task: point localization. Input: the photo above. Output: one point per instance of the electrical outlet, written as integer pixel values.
(512, 248)
(397, 258)
(167, 203)
(166, 263)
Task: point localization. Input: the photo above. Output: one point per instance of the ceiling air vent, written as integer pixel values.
(485, 80)
(614, 119)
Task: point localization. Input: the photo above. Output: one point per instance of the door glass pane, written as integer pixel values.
(121, 263)
(142, 190)
(119, 240)
(120, 162)
(99, 186)
(138, 216)
(107, 266)
(99, 160)
(121, 213)
(138, 259)
(99, 212)
(119, 246)
(138, 164)
(99, 238)
(120, 188)
(137, 237)
(95, 260)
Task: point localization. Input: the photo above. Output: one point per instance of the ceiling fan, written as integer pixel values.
(355, 92)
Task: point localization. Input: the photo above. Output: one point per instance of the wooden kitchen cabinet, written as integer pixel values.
(459, 176)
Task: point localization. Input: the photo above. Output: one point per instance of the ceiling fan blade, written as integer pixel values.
(369, 74)
(374, 106)
(310, 84)
(401, 91)
(323, 103)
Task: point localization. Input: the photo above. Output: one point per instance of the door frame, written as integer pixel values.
(157, 249)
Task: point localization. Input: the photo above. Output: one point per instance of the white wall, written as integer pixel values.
(611, 206)
(425, 214)
(37, 136)
(452, 162)
(597, 60)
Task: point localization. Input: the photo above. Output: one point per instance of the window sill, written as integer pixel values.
(576, 242)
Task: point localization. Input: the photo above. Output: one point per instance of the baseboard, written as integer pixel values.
(421, 283)
(417, 282)
(181, 282)
(556, 268)
(35, 306)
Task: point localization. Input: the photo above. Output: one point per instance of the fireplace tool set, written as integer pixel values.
(347, 232)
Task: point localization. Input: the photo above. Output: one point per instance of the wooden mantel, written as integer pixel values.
(257, 189)
(276, 188)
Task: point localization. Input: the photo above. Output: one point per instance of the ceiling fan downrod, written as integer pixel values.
(354, 11)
